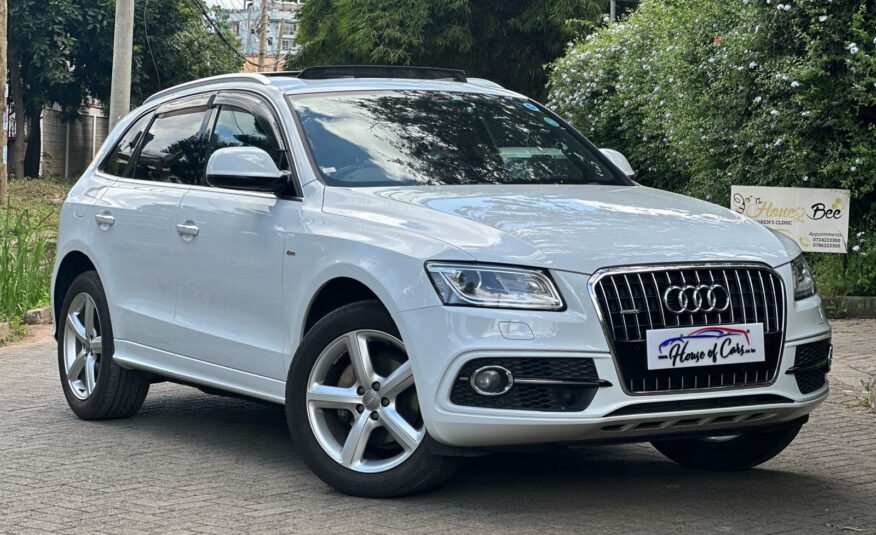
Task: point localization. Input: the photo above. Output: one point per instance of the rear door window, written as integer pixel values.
(173, 149)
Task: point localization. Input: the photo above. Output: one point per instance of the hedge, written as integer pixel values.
(702, 94)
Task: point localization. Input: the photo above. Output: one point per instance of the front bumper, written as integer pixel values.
(440, 340)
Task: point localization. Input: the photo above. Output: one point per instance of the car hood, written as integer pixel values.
(572, 228)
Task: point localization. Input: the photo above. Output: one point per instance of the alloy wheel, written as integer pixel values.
(362, 403)
(83, 346)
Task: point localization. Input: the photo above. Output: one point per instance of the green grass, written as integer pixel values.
(40, 197)
(28, 226)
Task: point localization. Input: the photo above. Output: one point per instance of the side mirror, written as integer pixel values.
(246, 168)
(620, 161)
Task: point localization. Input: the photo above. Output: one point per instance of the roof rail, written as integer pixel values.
(241, 77)
(281, 74)
(483, 82)
(381, 71)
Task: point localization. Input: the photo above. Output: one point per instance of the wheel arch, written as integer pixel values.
(332, 295)
(74, 264)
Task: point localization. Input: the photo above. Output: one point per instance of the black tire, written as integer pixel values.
(423, 470)
(118, 393)
(740, 452)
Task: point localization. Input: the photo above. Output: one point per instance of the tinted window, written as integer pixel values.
(118, 160)
(172, 149)
(418, 137)
(239, 128)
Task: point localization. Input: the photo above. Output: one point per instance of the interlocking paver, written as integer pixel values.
(193, 463)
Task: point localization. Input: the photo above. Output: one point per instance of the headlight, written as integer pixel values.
(494, 286)
(804, 282)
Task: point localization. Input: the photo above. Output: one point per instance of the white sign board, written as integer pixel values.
(817, 219)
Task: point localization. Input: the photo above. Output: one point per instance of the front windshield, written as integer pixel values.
(393, 138)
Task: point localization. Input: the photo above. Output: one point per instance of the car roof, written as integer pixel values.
(473, 85)
(291, 84)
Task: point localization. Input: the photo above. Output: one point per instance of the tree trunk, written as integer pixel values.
(18, 146)
(33, 154)
(4, 182)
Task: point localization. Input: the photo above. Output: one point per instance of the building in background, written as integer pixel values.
(282, 28)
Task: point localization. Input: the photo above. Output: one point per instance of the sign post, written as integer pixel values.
(817, 219)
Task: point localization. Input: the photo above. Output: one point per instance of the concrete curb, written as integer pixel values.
(851, 306)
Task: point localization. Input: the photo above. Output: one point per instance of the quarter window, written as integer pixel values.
(172, 150)
(117, 162)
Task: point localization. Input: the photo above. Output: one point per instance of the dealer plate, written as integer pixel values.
(714, 345)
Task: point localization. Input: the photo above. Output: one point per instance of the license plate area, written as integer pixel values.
(701, 346)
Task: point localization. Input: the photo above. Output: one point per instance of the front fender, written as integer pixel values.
(390, 262)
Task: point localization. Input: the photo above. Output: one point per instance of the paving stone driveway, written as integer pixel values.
(193, 463)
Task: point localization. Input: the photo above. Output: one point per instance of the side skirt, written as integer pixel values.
(188, 370)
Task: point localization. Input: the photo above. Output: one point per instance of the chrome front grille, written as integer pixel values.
(632, 301)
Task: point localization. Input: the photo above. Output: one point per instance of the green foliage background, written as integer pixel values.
(65, 48)
(508, 42)
(702, 94)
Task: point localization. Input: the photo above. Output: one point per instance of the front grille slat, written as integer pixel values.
(754, 295)
(727, 285)
(620, 307)
(766, 307)
(741, 297)
(775, 302)
(635, 307)
(657, 293)
(645, 299)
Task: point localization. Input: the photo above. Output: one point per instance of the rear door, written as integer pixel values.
(135, 237)
(230, 278)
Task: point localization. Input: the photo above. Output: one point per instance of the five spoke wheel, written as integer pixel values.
(82, 346)
(361, 402)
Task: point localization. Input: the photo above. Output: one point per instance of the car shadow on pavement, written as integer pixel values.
(598, 477)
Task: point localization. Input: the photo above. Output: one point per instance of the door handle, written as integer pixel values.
(104, 220)
(187, 229)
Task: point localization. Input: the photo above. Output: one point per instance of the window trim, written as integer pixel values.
(297, 193)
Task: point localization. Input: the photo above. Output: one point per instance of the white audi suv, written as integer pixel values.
(421, 267)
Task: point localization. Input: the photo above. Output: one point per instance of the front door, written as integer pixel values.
(230, 280)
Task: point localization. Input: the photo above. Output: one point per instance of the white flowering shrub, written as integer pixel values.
(702, 94)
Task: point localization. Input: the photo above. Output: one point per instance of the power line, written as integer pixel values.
(221, 34)
(149, 45)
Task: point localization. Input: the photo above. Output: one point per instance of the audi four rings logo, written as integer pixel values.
(700, 298)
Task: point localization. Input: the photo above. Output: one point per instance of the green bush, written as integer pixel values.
(852, 274)
(25, 263)
(702, 94)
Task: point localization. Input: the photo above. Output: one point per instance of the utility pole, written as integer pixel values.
(123, 44)
(4, 176)
(278, 45)
(612, 10)
(263, 34)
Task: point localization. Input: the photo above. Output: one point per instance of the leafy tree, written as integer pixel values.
(61, 54)
(508, 41)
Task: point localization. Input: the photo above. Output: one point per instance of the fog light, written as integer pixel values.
(491, 380)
